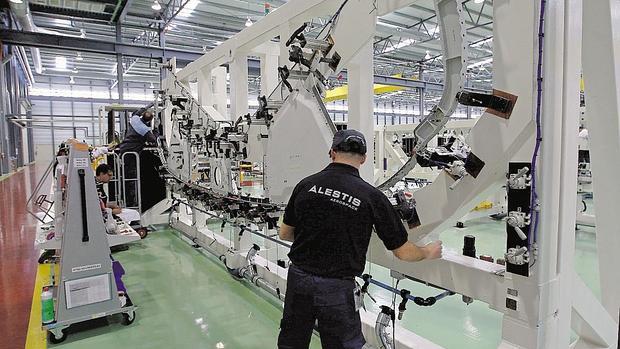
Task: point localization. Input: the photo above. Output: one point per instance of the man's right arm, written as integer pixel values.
(409, 252)
(392, 232)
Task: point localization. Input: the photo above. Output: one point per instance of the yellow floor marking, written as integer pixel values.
(36, 337)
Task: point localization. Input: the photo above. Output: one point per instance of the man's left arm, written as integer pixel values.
(289, 221)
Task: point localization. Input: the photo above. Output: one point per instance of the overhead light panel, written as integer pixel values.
(17, 1)
(61, 63)
(189, 7)
(71, 81)
(82, 33)
(428, 55)
(249, 22)
(79, 57)
(151, 86)
(156, 6)
(478, 1)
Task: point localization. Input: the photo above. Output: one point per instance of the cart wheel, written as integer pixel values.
(143, 232)
(128, 318)
(460, 225)
(55, 340)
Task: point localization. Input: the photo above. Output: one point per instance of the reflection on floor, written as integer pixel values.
(187, 299)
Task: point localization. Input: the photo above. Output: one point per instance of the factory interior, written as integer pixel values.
(417, 174)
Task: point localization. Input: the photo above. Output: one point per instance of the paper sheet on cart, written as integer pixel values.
(88, 290)
(129, 215)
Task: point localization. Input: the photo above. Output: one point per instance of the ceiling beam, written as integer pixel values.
(21, 38)
(63, 11)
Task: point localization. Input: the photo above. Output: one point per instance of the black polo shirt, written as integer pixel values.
(334, 212)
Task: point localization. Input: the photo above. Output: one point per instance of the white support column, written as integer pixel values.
(568, 169)
(547, 323)
(379, 152)
(238, 86)
(601, 72)
(219, 89)
(205, 89)
(360, 100)
(268, 73)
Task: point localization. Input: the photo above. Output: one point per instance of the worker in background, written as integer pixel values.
(103, 175)
(139, 131)
(329, 218)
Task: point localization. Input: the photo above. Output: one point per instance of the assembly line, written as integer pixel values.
(313, 215)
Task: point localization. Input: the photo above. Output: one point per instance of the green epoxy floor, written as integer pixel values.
(187, 300)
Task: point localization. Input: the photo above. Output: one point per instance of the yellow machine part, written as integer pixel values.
(485, 205)
(342, 92)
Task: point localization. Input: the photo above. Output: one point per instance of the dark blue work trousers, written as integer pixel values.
(311, 298)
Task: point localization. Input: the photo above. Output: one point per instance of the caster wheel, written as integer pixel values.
(460, 225)
(128, 318)
(55, 340)
(143, 232)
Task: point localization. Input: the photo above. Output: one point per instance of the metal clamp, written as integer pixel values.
(517, 256)
(520, 180)
(518, 220)
(457, 169)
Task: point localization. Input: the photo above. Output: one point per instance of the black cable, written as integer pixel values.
(394, 318)
(332, 19)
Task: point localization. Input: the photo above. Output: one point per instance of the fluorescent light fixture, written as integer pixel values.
(481, 63)
(71, 81)
(249, 22)
(61, 63)
(17, 1)
(156, 6)
(390, 25)
(75, 71)
(82, 33)
(428, 55)
(189, 7)
(79, 57)
(151, 86)
(478, 1)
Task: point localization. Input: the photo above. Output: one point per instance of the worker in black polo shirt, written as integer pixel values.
(329, 218)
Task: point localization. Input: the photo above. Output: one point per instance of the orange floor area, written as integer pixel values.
(18, 258)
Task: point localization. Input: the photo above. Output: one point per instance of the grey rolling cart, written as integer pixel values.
(86, 288)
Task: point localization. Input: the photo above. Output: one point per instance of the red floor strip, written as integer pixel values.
(18, 259)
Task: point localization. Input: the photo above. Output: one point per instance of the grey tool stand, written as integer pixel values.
(86, 287)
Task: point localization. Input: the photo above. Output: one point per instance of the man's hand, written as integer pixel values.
(117, 210)
(433, 250)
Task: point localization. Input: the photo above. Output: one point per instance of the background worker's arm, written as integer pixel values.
(287, 232)
(115, 208)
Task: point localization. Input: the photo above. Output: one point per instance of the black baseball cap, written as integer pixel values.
(349, 141)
